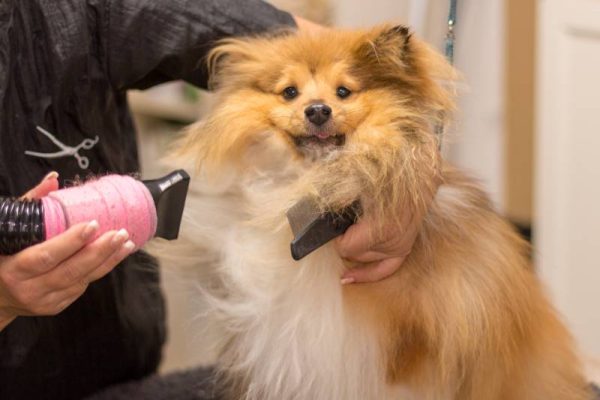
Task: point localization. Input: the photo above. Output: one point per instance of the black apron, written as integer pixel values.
(65, 66)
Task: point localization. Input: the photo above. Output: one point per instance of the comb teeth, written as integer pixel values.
(313, 229)
(302, 214)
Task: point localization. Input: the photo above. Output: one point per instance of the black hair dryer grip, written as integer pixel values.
(21, 224)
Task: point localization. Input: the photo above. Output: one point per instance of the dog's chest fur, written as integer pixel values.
(286, 331)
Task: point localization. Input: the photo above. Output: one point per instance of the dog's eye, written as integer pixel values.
(290, 92)
(343, 92)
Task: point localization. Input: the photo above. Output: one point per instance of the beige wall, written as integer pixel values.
(520, 56)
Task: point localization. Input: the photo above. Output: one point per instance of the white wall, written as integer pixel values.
(568, 163)
(478, 139)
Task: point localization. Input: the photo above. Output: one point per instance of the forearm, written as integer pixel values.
(153, 42)
(4, 321)
(306, 25)
(5, 317)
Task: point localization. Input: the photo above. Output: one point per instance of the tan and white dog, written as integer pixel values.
(341, 116)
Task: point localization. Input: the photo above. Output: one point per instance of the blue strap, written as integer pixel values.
(449, 51)
(450, 36)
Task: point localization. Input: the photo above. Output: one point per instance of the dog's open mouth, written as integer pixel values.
(320, 139)
(318, 145)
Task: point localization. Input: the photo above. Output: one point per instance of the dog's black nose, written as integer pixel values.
(317, 113)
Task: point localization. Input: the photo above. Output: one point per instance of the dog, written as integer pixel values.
(342, 116)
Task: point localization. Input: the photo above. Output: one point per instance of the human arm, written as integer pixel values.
(306, 25)
(148, 43)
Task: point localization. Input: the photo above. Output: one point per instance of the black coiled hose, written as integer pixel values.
(21, 224)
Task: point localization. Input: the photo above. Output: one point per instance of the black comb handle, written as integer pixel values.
(320, 228)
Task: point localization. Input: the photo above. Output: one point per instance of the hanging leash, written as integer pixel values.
(450, 35)
(449, 52)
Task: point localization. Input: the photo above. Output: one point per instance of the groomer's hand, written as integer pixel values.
(46, 278)
(372, 258)
(375, 259)
(306, 25)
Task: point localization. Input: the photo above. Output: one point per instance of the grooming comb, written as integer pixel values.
(312, 228)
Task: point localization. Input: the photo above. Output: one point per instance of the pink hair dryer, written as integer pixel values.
(146, 209)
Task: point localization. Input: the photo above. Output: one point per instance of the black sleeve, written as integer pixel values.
(154, 41)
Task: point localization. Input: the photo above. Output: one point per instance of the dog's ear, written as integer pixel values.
(222, 58)
(232, 60)
(394, 40)
(387, 46)
(240, 60)
(389, 56)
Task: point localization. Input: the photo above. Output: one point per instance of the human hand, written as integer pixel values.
(46, 278)
(307, 26)
(375, 258)
(372, 257)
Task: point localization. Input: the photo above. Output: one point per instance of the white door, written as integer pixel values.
(567, 229)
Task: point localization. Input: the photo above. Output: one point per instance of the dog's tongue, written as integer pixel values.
(322, 135)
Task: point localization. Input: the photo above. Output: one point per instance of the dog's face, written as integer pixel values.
(319, 100)
(339, 115)
(317, 92)
(316, 106)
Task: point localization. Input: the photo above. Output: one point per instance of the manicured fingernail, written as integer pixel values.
(51, 175)
(120, 237)
(62, 306)
(90, 229)
(129, 246)
(347, 281)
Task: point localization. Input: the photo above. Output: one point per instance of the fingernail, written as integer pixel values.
(90, 229)
(51, 175)
(347, 281)
(129, 246)
(120, 237)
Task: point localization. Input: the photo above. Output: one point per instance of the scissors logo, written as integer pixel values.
(86, 144)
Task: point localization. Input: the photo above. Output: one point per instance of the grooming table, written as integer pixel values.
(195, 384)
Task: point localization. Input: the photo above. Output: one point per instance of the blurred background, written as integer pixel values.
(528, 128)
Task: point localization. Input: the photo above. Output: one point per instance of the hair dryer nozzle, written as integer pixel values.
(169, 193)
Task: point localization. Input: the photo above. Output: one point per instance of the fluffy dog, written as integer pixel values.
(341, 116)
